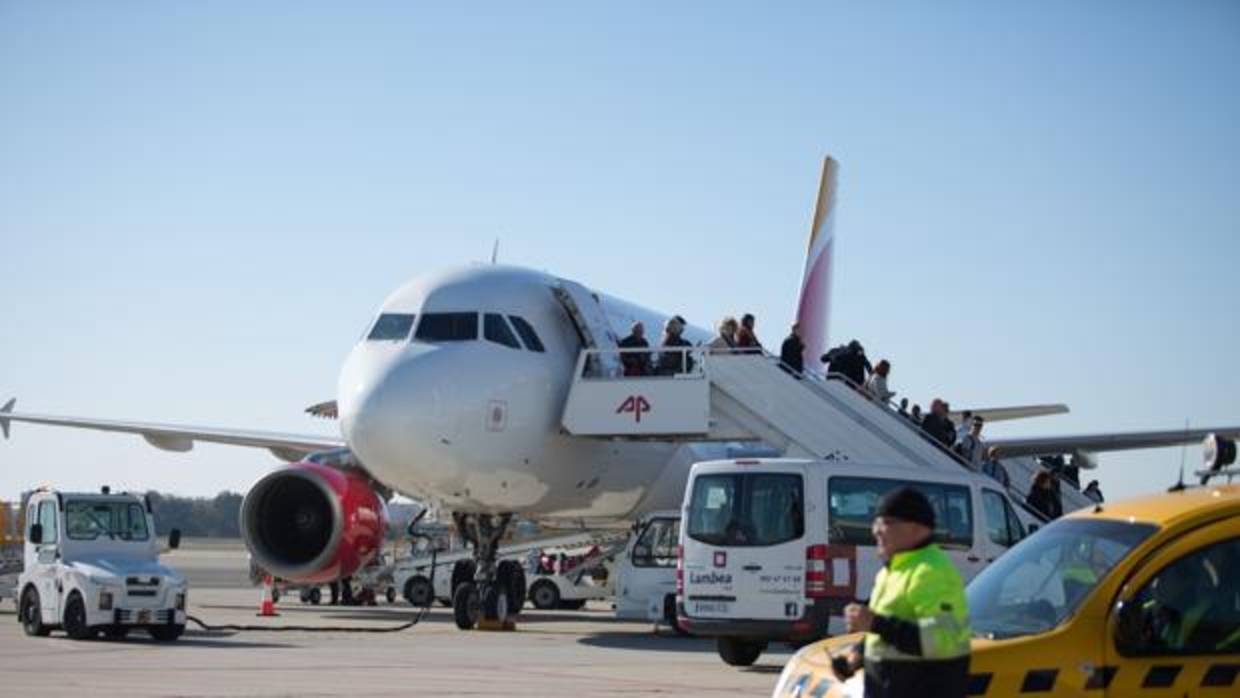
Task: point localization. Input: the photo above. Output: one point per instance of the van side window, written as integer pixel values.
(528, 335)
(852, 502)
(656, 546)
(496, 330)
(47, 517)
(1000, 519)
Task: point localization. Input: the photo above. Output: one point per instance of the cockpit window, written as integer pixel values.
(496, 330)
(448, 327)
(391, 327)
(528, 335)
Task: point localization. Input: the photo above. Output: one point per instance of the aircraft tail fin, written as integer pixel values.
(814, 305)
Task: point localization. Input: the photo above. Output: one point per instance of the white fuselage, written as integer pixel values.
(475, 424)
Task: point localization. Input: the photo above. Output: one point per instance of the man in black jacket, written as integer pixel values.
(792, 353)
(636, 363)
(937, 425)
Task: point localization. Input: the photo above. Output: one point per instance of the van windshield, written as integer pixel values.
(749, 509)
(1039, 583)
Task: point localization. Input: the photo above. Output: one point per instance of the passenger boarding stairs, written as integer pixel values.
(751, 397)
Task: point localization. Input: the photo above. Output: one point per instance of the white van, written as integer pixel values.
(773, 549)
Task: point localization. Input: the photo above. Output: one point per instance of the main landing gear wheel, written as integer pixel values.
(466, 606)
(32, 615)
(511, 578)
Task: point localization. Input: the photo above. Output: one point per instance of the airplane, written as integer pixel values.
(455, 395)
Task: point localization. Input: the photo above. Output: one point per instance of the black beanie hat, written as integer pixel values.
(907, 504)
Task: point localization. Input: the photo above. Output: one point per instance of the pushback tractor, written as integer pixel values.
(91, 566)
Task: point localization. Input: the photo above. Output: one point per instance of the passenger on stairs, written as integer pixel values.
(1093, 492)
(992, 467)
(746, 341)
(966, 423)
(937, 426)
(726, 340)
(792, 352)
(915, 415)
(903, 409)
(876, 385)
(672, 363)
(849, 361)
(635, 363)
(971, 447)
(1043, 497)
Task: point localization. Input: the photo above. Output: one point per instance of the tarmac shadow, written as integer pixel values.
(763, 669)
(647, 641)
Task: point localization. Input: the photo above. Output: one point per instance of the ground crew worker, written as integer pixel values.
(916, 624)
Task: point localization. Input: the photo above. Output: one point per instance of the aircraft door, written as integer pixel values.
(592, 324)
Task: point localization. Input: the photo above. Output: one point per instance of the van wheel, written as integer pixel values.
(32, 614)
(75, 618)
(418, 592)
(737, 652)
(315, 596)
(166, 633)
(545, 595)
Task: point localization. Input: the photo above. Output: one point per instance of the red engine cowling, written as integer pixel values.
(312, 523)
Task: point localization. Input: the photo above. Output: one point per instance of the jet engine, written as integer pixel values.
(312, 523)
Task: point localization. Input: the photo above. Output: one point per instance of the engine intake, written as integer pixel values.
(312, 523)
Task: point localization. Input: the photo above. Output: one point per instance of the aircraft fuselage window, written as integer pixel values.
(528, 335)
(447, 327)
(495, 329)
(391, 327)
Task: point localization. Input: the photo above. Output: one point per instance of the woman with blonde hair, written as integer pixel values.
(726, 341)
(876, 384)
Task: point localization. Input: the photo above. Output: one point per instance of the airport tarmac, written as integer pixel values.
(561, 653)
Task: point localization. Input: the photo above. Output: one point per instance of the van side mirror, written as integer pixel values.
(174, 538)
(36, 534)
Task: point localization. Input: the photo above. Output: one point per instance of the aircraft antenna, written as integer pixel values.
(495, 251)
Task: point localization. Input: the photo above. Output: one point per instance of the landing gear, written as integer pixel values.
(485, 593)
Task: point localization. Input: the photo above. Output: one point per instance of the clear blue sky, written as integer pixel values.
(201, 204)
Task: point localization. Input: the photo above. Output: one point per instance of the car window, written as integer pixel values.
(1039, 583)
(47, 517)
(656, 546)
(392, 327)
(852, 503)
(1192, 606)
(749, 509)
(88, 520)
(528, 335)
(495, 329)
(447, 327)
(1002, 527)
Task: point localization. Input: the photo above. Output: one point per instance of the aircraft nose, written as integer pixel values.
(393, 403)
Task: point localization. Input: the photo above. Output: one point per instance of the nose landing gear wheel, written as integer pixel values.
(466, 606)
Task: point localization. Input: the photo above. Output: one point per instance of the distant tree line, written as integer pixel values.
(201, 517)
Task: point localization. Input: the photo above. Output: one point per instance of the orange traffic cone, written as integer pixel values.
(266, 606)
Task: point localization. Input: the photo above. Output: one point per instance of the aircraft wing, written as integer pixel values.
(1000, 414)
(173, 437)
(1093, 443)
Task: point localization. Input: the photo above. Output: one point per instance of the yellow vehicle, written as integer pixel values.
(1138, 598)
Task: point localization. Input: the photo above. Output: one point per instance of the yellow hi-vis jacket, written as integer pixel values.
(920, 609)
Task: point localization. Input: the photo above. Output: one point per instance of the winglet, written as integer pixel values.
(4, 423)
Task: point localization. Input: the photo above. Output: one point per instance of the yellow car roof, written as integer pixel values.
(1169, 508)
